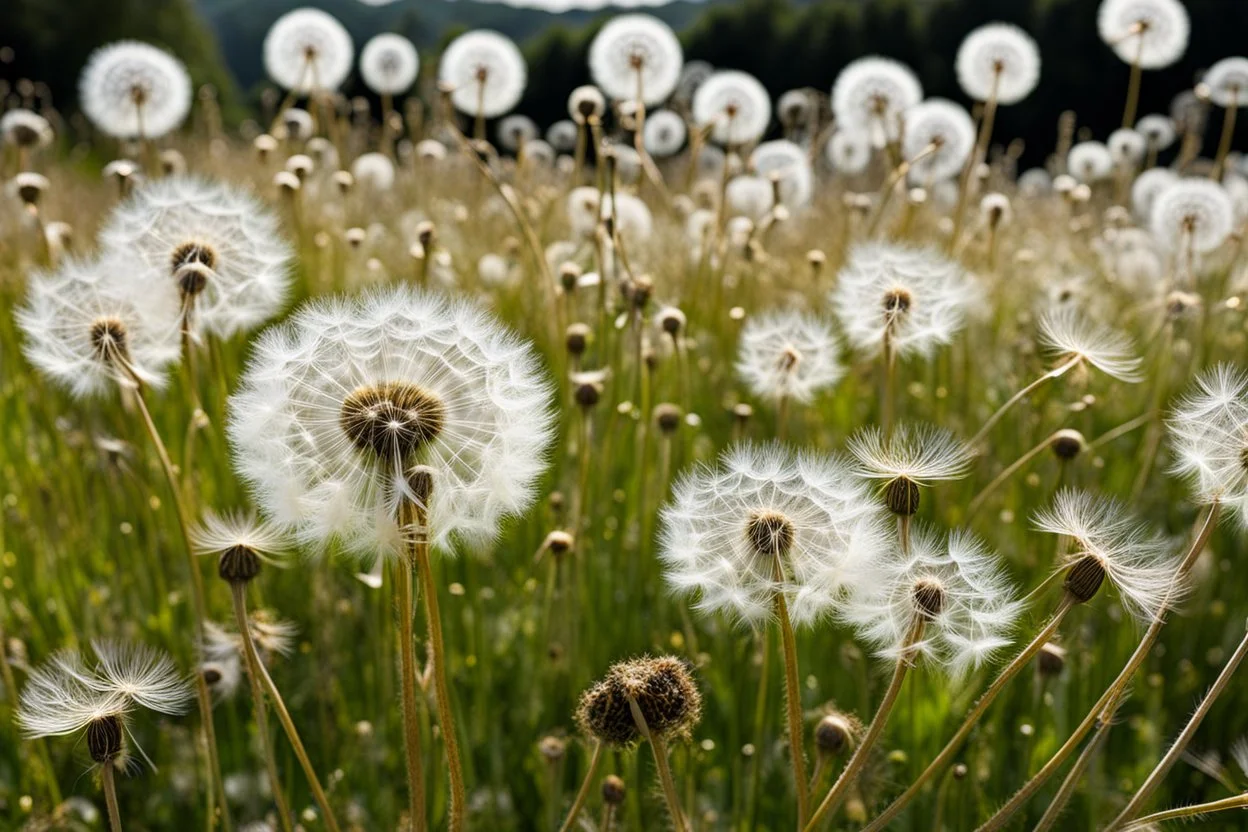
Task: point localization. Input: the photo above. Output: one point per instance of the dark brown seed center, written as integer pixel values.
(897, 302)
(104, 739)
(1085, 577)
(770, 533)
(929, 597)
(902, 496)
(192, 252)
(393, 421)
(108, 338)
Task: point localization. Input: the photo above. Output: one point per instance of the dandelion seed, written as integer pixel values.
(1075, 339)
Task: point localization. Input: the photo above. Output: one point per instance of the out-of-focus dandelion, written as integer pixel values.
(389, 64)
(307, 51)
(1147, 34)
(133, 90)
(870, 94)
(636, 57)
(734, 105)
(486, 75)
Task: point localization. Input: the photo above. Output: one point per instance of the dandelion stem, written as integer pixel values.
(238, 594)
(108, 776)
(1005, 474)
(1064, 792)
(1105, 706)
(406, 612)
(859, 758)
(1185, 736)
(976, 158)
(216, 788)
(1133, 86)
(951, 748)
(1224, 144)
(659, 747)
(446, 717)
(793, 706)
(1022, 394)
(283, 715)
(1239, 801)
(582, 794)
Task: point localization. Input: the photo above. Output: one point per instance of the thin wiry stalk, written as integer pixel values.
(978, 501)
(595, 761)
(793, 703)
(1103, 709)
(109, 782)
(1239, 801)
(406, 611)
(659, 747)
(1181, 742)
(1020, 395)
(951, 748)
(854, 767)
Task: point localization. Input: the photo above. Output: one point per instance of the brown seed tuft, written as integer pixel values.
(104, 736)
(1084, 578)
(902, 496)
(665, 694)
(929, 597)
(393, 420)
(770, 534)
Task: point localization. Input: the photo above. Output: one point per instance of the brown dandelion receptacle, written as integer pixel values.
(104, 738)
(1051, 660)
(929, 598)
(667, 416)
(897, 302)
(1067, 444)
(192, 252)
(238, 565)
(1084, 578)
(663, 690)
(770, 534)
(833, 734)
(902, 496)
(108, 339)
(393, 421)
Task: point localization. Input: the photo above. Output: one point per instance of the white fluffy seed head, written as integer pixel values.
(1071, 337)
(665, 133)
(374, 171)
(872, 93)
(736, 106)
(916, 297)
(1227, 81)
(1127, 147)
(351, 402)
(218, 533)
(515, 131)
(25, 129)
(790, 164)
(1150, 33)
(1192, 211)
(749, 196)
(1209, 435)
(636, 54)
(998, 59)
(94, 324)
(485, 71)
(562, 135)
(849, 151)
(234, 240)
(1136, 561)
(389, 64)
(940, 135)
(726, 526)
(956, 586)
(788, 354)
(1157, 130)
(134, 90)
(1090, 162)
(306, 50)
(922, 454)
(1145, 189)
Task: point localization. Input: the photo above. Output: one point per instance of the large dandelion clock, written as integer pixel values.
(790, 165)
(389, 64)
(1195, 212)
(1227, 81)
(735, 104)
(133, 90)
(939, 138)
(485, 71)
(636, 56)
(307, 50)
(1150, 34)
(998, 61)
(871, 94)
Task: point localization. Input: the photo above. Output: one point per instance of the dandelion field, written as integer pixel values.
(823, 407)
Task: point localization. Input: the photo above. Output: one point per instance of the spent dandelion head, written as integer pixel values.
(763, 521)
(998, 61)
(912, 457)
(955, 587)
(1075, 339)
(241, 543)
(939, 137)
(307, 50)
(1193, 212)
(789, 354)
(343, 406)
(734, 105)
(389, 64)
(1107, 543)
(870, 94)
(662, 689)
(1209, 437)
(133, 90)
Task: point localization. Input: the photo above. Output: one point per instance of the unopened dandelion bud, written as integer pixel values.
(576, 339)
(929, 598)
(672, 321)
(552, 748)
(344, 181)
(238, 565)
(667, 416)
(902, 496)
(1051, 660)
(559, 543)
(1067, 444)
(833, 733)
(264, 145)
(104, 738)
(1084, 578)
(613, 791)
(569, 274)
(741, 412)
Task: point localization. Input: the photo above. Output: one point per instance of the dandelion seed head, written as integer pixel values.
(636, 54)
(736, 106)
(790, 164)
(389, 64)
(515, 131)
(940, 136)
(23, 128)
(1146, 187)
(1192, 211)
(664, 134)
(1127, 147)
(1150, 33)
(1227, 81)
(998, 59)
(663, 690)
(1090, 162)
(1209, 436)
(306, 50)
(849, 151)
(130, 89)
(1069, 335)
(871, 93)
(920, 453)
(373, 171)
(485, 71)
(749, 196)
(788, 354)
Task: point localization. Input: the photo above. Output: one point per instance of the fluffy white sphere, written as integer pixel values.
(1157, 130)
(664, 134)
(636, 53)
(1152, 33)
(389, 64)
(373, 171)
(789, 354)
(946, 126)
(790, 164)
(1001, 60)
(871, 94)
(133, 90)
(307, 50)
(340, 405)
(1090, 162)
(486, 72)
(849, 151)
(1192, 211)
(1146, 187)
(735, 104)
(1227, 81)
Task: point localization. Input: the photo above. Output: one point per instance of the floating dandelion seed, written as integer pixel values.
(915, 297)
(1192, 212)
(389, 64)
(1151, 34)
(90, 326)
(133, 90)
(735, 105)
(214, 249)
(788, 355)
(939, 137)
(998, 61)
(1108, 543)
(870, 94)
(307, 50)
(636, 55)
(830, 527)
(1074, 340)
(338, 405)
(485, 71)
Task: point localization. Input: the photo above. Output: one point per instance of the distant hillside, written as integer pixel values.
(240, 25)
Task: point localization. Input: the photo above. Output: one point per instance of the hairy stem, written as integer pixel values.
(406, 611)
(108, 776)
